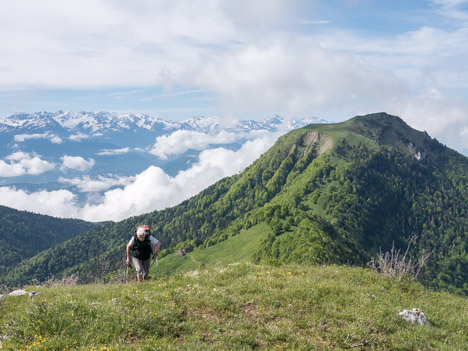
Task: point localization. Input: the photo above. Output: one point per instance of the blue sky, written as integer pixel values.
(241, 59)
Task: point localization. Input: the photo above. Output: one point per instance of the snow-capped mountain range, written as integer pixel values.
(105, 122)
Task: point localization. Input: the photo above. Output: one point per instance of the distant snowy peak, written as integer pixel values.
(83, 122)
(200, 123)
(108, 122)
(23, 121)
(278, 122)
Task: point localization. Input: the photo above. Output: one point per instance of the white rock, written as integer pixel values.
(32, 294)
(18, 293)
(414, 316)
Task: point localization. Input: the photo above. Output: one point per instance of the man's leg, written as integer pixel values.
(139, 268)
(146, 267)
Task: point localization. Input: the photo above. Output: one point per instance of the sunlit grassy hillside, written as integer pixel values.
(237, 248)
(237, 307)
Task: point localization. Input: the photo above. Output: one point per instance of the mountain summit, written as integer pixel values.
(337, 193)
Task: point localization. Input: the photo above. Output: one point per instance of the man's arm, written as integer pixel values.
(128, 253)
(156, 248)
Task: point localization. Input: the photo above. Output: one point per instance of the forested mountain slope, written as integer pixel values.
(24, 234)
(329, 193)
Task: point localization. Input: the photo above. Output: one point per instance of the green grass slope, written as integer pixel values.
(237, 307)
(236, 249)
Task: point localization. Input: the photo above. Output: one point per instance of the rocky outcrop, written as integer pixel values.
(18, 293)
(414, 316)
(318, 140)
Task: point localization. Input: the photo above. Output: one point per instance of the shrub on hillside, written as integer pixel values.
(395, 265)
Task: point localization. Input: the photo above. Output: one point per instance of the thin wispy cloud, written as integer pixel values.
(456, 9)
(175, 94)
(314, 22)
(110, 152)
(78, 137)
(48, 136)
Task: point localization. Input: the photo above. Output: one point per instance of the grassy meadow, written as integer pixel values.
(237, 307)
(237, 248)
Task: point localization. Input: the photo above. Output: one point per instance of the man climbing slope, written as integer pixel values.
(139, 250)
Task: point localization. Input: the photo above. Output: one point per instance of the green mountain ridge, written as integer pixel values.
(24, 234)
(323, 194)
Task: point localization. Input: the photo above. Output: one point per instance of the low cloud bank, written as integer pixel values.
(86, 184)
(147, 191)
(181, 141)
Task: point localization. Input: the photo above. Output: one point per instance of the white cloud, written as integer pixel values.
(86, 184)
(218, 163)
(11, 170)
(451, 8)
(110, 152)
(150, 190)
(182, 140)
(290, 76)
(314, 22)
(59, 203)
(78, 137)
(261, 15)
(56, 140)
(52, 137)
(18, 156)
(138, 44)
(77, 163)
(121, 43)
(441, 117)
(21, 163)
